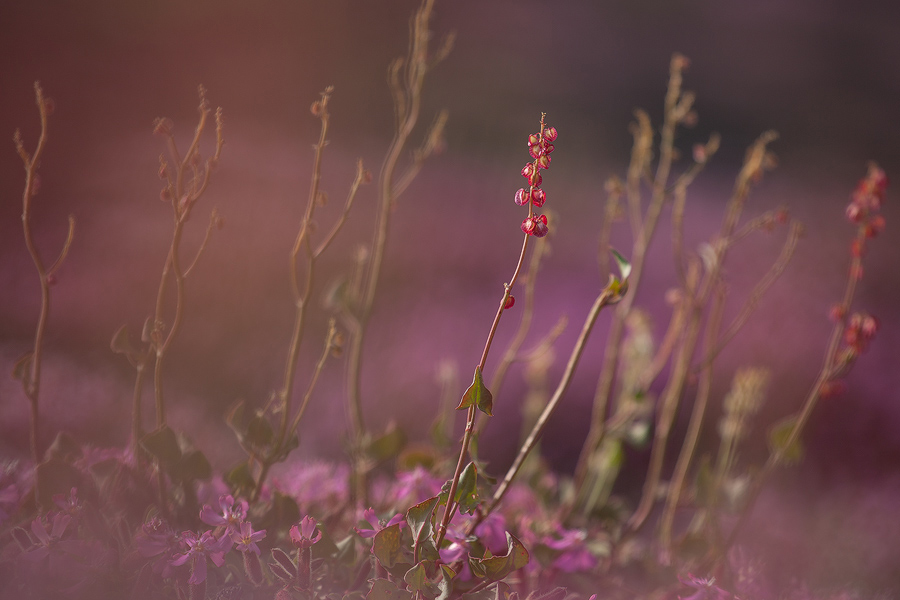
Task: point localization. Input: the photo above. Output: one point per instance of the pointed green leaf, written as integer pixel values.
(417, 580)
(121, 342)
(22, 368)
(778, 439)
(623, 264)
(467, 490)
(420, 520)
(386, 545)
(478, 395)
(193, 466)
(383, 589)
(496, 568)
(239, 478)
(387, 445)
(163, 445)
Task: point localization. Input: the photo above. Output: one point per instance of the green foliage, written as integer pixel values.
(477, 395)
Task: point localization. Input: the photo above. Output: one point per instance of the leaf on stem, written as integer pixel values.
(382, 589)
(386, 545)
(467, 491)
(478, 395)
(779, 434)
(496, 568)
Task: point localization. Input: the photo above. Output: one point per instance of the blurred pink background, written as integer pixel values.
(826, 75)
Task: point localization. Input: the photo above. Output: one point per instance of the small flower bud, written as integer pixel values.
(782, 215)
(51, 279)
(164, 195)
(316, 108)
(868, 326)
(163, 170)
(510, 300)
(700, 155)
(857, 248)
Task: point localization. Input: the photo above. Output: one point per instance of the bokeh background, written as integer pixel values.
(824, 74)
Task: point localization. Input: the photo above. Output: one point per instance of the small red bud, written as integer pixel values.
(874, 226)
(164, 195)
(316, 108)
(700, 155)
(163, 171)
(837, 313)
(782, 216)
(510, 300)
(854, 212)
(869, 326)
(831, 389)
(857, 248)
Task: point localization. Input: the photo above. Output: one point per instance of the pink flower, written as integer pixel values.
(305, 533)
(246, 539)
(230, 515)
(706, 589)
(199, 549)
(377, 525)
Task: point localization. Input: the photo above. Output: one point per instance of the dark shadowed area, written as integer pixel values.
(824, 74)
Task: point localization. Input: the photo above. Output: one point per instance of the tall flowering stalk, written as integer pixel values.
(477, 396)
(850, 337)
(28, 368)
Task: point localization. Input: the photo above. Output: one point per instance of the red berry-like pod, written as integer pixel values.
(528, 225)
(521, 197)
(550, 133)
(509, 302)
(538, 197)
(540, 226)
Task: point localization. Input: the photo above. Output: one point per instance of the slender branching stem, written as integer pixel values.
(29, 367)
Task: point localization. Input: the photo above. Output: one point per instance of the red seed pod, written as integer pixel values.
(538, 197)
(510, 300)
(548, 147)
(528, 225)
(543, 161)
(550, 133)
(837, 313)
(521, 197)
(831, 389)
(869, 326)
(854, 212)
(535, 151)
(540, 226)
(874, 226)
(857, 248)
(535, 179)
(164, 195)
(527, 170)
(534, 139)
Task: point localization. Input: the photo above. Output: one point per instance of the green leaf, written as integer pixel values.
(121, 342)
(467, 490)
(386, 546)
(420, 518)
(387, 445)
(418, 581)
(193, 466)
(382, 589)
(445, 585)
(22, 368)
(239, 478)
(496, 568)
(779, 434)
(163, 445)
(259, 433)
(478, 395)
(622, 263)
